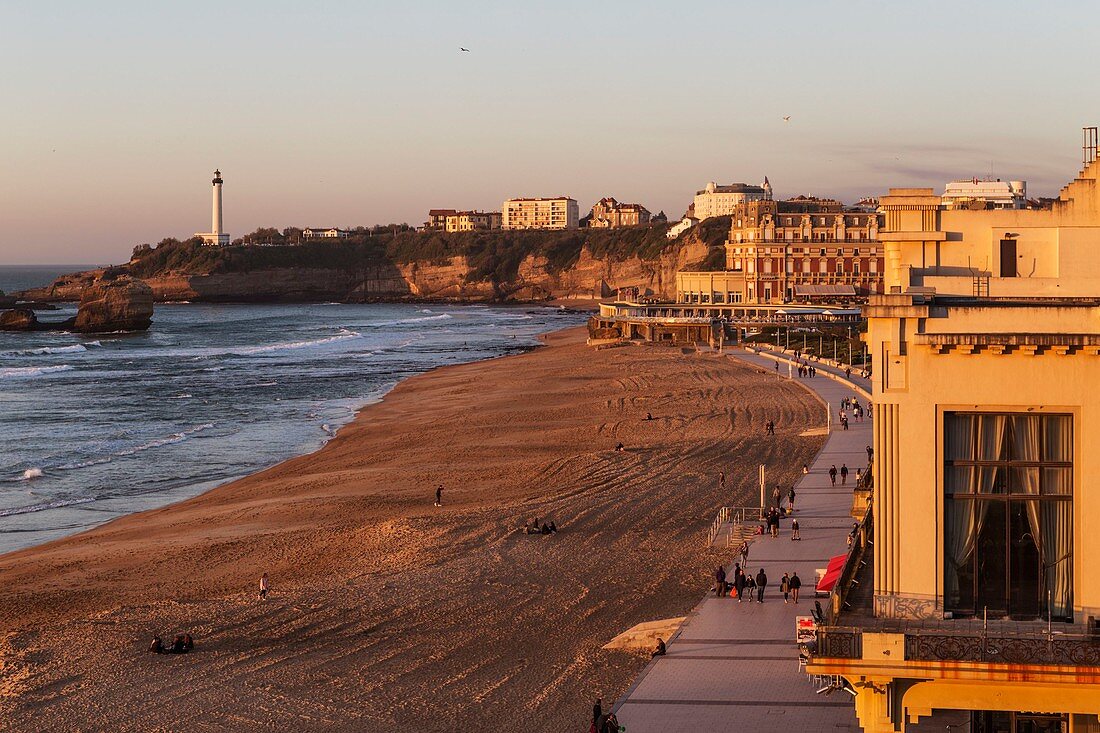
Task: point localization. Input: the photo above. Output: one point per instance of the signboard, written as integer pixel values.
(805, 629)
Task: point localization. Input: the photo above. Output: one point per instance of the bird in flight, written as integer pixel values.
(460, 48)
(787, 118)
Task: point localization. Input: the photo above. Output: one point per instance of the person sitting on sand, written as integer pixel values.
(649, 416)
(553, 528)
(533, 527)
(188, 643)
(156, 646)
(660, 651)
(178, 646)
(545, 528)
(619, 447)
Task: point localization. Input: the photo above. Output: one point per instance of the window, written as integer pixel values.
(997, 721)
(734, 297)
(1008, 515)
(822, 251)
(839, 266)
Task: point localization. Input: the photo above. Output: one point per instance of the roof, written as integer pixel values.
(541, 198)
(803, 290)
(734, 188)
(441, 212)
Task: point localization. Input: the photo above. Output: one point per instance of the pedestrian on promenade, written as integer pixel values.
(720, 582)
(843, 473)
(844, 423)
(739, 582)
(744, 552)
(776, 496)
(796, 583)
(785, 586)
(439, 496)
(263, 587)
(761, 584)
(848, 373)
(870, 454)
(859, 475)
(794, 530)
(790, 499)
(832, 474)
(843, 415)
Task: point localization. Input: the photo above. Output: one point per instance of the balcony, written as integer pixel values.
(850, 615)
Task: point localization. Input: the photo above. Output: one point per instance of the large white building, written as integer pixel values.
(715, 200)
(540, 213)
(215, 237)
(975, 194)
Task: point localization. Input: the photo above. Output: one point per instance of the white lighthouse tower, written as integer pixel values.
(215, 237)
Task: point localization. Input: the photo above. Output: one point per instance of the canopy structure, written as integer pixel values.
(832, 574)
(802, 291)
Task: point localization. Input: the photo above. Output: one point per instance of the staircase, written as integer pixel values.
(732, 526)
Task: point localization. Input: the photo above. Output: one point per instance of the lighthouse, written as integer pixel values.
(215, 237)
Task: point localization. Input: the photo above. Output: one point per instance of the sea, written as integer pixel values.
(95, 427)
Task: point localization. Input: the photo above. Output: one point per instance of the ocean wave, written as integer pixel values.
(403, 321)
(72, 349)
(28, 372)
(344, 335)
(156, 443)
(43, 507)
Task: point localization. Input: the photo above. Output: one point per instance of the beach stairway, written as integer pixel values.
(732, 526)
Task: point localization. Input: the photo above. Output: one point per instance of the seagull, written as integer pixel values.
(787, 118)
(460, 48)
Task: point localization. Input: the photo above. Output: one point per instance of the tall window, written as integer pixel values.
(1008, 515)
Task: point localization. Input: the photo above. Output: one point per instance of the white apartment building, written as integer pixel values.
(715, 200)
(540, 213)
(975, 194)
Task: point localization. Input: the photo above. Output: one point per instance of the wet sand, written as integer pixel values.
(385, 612)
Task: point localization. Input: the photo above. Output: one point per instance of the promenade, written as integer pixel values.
(734, 666)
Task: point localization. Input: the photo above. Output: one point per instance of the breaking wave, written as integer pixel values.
(42, 507)
(344, 335)
(28, 372)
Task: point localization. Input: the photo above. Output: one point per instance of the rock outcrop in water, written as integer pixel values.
(115, 304)
(109, 303)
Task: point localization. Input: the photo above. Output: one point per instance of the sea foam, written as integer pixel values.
(28, 372)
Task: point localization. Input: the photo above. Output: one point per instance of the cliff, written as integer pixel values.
(471, 266)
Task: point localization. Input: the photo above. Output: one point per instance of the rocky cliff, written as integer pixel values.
(492, 269)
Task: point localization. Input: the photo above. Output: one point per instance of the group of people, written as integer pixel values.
(182, 644)
(603, 722)
(843, 474)
(789, 585)
(545, 528)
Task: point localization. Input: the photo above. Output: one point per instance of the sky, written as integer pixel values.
(115, 114)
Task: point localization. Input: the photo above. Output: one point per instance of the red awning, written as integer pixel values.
(832, 574)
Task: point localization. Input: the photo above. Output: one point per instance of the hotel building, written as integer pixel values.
(540, 213)
(970, 599)
(472, 221)
(715, 200)
(802, 249)
(608, 213)
(975, 194)
(324, 233)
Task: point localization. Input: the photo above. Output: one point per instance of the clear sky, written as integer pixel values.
(115, 114)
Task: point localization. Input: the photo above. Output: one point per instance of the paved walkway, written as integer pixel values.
(734, 666)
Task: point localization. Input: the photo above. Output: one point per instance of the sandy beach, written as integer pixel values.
(386, 612)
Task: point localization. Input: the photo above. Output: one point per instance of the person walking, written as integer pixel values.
(790, 499)
(843, 473)
(794, 530)
(439, 495)
(832, 474)
(795, 583)
(720, 582)
(870, 454)
(761, 584)
(263, 587)
(785, 586)
(597, 713)
(744, 552)
(776, 496)
(739, 582)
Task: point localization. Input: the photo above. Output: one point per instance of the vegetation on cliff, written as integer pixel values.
(493, 256)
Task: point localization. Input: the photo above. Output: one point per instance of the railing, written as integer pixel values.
(991, 646)
(719, 521)
(735, 516)
(860, 542)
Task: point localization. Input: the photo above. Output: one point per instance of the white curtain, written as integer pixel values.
(959, 518)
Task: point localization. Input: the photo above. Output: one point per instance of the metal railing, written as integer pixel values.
(736, 517)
